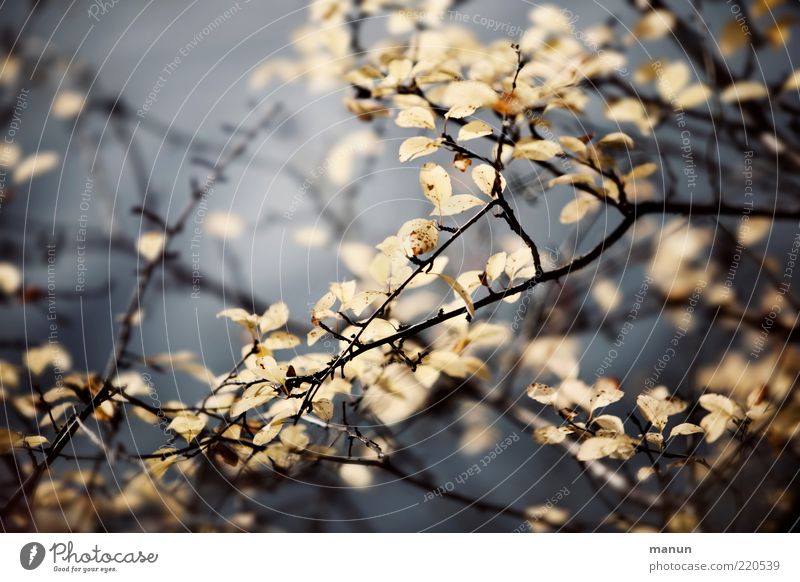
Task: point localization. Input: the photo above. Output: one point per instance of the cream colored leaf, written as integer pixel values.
(267, 368)
(399, 70)
(460, 111)
(274, 317)
(323, 408)
(361, 301)
(356, 475)
(720, 403)
(605, 392)
(281, 340)
(573, 144)
(474, 130)
(251, 398)
(578, 208)
(597, 448)
(458, 204)
(35, 165)
(188, 425)
(68, 104)
(754, 230)
(743, 91)
(610, 423)
(223, 225)
(295, 437)
(35, 441)
(654, 25)
(157, 466)
(542, 393)
(692, 96)
(469, 93)
(417, 147)
(418, 236)
(416, 117)
(537, 149)
(484, 177)
(37, 359)
(496, 265)
(685, 428)
(322, 308)
(238, 315)
(311, 237)
(792, 82)
(641, 171)
(629, 110)
(435, 183)
(10, 278)
(714, 424)
(672, 79)
(151, 244)
(645, 473)
(461, 292)
(268, 433)
(551, 435)
(617, 139)
(315, 335)
(658, 410)
(571, 179)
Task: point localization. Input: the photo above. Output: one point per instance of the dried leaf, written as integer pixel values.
(465, 296)
(484, 177)
(416, 117)
(537, 149)
(685, 428)
(474, 130)
(418, 236)
(417, 147)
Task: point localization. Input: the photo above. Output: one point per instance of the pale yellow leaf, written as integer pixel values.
(187, 424)
(551, 435)
(617, 139)
(484, 177)
(416, 117)
(417, 147)
(435, 183)
(597, 448)
(461, 292)
(458, 204)
(10, 278)
(151, 244)
(68, 104)
(35, 165)
(685, 428)
(418, 236)
(576, 209)
(542, 393)
(605, 392)
(743, 91)
(654, 25)
(474, 130)
(274, 317)
(692, 96)
(537, 149)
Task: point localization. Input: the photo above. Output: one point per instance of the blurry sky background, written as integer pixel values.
(119, 55)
